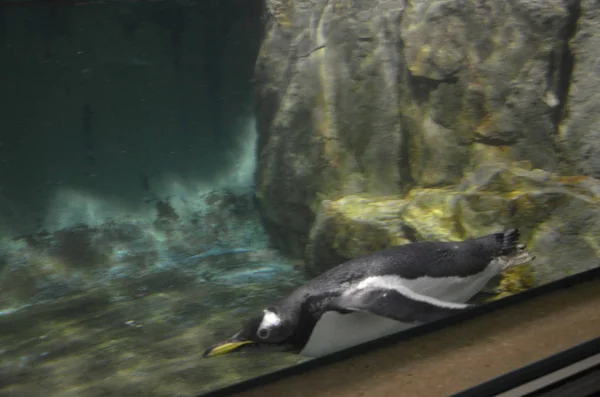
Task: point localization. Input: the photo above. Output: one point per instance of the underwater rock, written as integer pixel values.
(568, 241)
(218, 243)
(482, 70)
(354, 226)
(376, 98)
(320, 86)
(578, 135)
(99, 339)
(559, 218)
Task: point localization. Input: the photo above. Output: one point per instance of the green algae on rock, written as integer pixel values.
(547, 208)
(90, 345)
(384, 97)
(354, 226)
(578, 133)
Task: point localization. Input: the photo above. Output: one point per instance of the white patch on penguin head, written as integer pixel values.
(269, 322)
(270, 319)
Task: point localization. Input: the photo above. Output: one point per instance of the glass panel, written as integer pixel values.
(170, 169)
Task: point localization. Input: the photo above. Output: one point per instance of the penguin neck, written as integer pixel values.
(303, 315)
(288, 312)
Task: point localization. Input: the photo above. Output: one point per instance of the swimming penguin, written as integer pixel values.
(377, 295)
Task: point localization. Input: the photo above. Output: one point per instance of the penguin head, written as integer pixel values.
(270, 331)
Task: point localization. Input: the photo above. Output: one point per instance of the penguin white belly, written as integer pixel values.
(335, 331)
(450, 289)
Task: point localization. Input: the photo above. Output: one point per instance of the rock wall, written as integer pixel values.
(578, 133)
(387, 121)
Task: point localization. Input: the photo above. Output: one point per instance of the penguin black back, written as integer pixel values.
(423, 259)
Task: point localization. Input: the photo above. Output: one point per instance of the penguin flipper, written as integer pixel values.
(395, 303)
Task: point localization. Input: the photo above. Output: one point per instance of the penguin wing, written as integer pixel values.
(401, 304)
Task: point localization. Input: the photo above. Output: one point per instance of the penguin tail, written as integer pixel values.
(513, 253)
(510, 241)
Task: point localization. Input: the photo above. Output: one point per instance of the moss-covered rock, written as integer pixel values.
(382, 97)
(578, 135)
(558, 217)
(514, 280)
(354, 226)
(313, 108)
(148, 346)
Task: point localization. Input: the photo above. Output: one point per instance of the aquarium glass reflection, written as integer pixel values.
(173, 172)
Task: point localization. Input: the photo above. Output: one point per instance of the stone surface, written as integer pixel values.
(385, 121)
(321, 83)
(354, 226)
(558, 217)
(221, 242)
(91, 345)
(579, 132)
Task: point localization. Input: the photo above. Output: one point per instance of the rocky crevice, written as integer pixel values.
(567, 62)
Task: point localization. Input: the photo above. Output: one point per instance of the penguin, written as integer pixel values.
(379, 294)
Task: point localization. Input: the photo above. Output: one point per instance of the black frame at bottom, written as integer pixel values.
(542, 368)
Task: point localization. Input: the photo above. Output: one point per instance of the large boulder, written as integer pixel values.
(388, 121)
(558, 216)
(327, 104)
(579, 134)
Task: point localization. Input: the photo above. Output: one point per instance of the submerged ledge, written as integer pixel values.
(446, 357)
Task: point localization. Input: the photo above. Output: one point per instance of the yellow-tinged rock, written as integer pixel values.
(515, 280)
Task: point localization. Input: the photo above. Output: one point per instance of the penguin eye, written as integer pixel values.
(263, 333)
